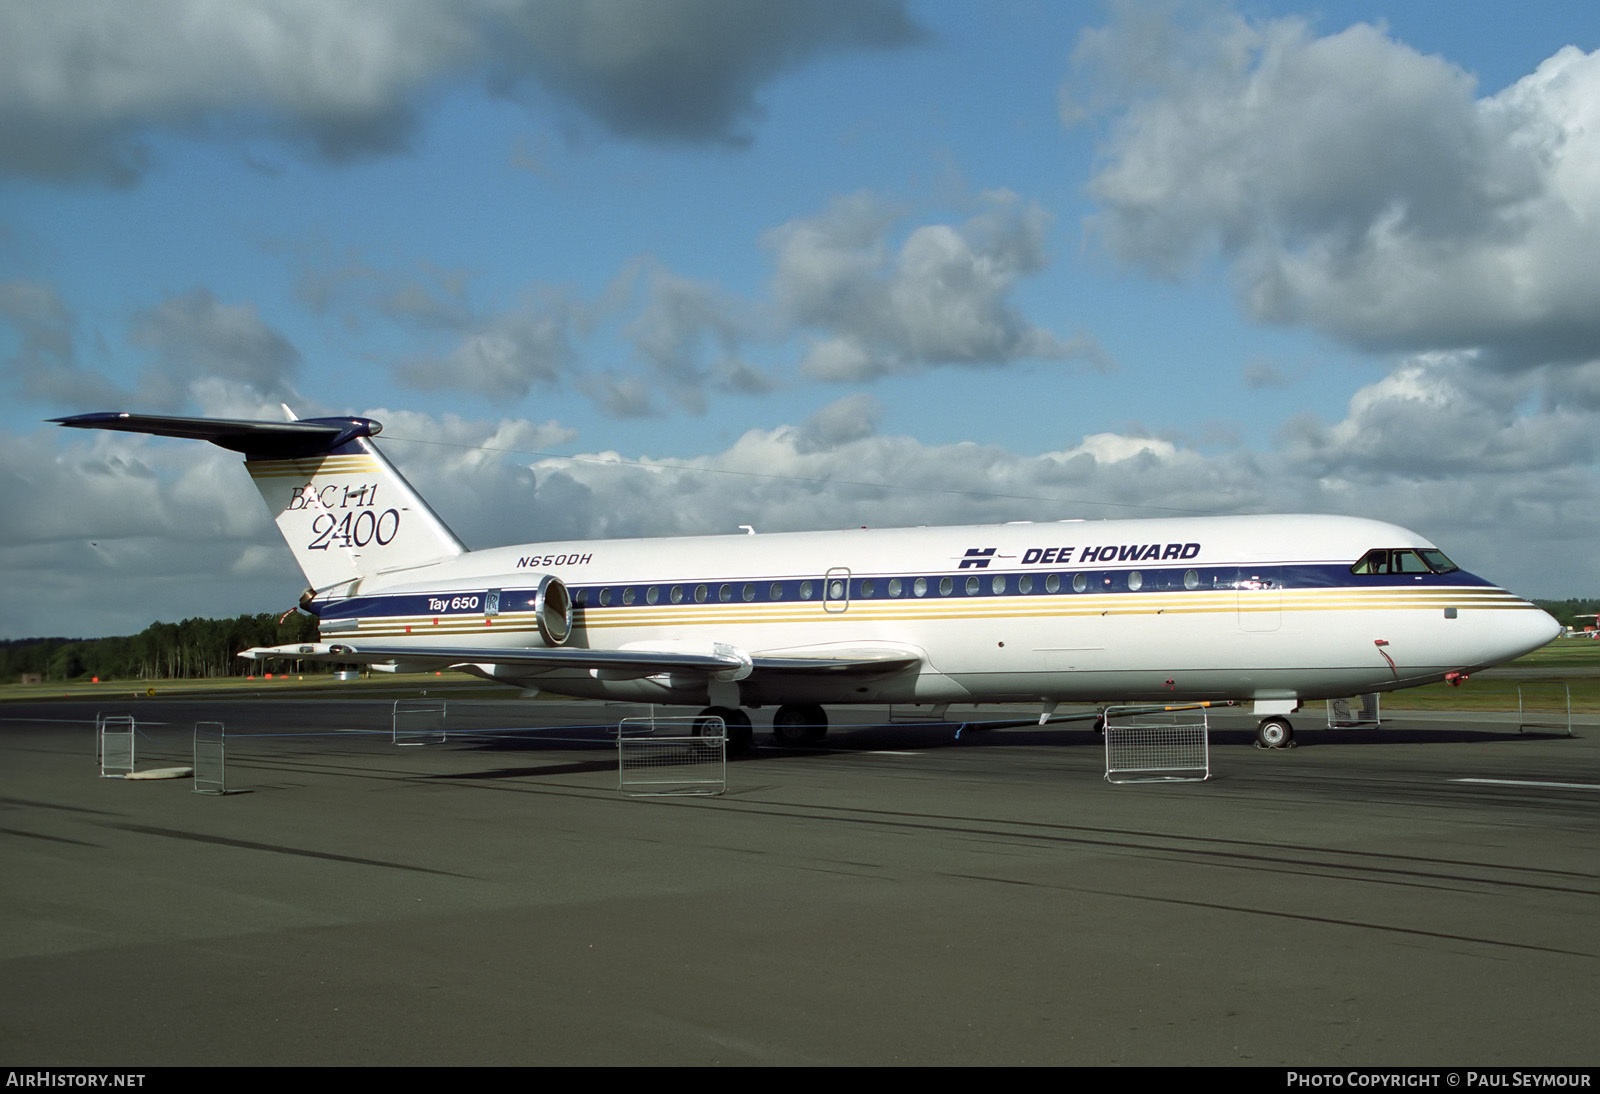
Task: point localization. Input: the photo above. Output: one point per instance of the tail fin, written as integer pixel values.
(343, 508)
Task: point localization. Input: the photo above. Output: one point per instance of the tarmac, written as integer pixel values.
(924, 894)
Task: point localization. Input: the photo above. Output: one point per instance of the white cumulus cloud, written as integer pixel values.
(1354, 184)
(83, 84)
(941, 298)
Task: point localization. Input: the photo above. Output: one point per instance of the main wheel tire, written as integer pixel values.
(741, 734)
(799, 723)
(1274, 733)
(735, 723)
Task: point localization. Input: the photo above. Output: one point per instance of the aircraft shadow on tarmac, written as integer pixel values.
(930, 736)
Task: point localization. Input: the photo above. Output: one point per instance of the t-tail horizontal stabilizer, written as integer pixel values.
(343, 508)
(256, 440)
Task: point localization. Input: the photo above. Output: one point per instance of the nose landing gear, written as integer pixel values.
(1274, 732)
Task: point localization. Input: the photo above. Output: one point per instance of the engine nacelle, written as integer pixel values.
(552, 610)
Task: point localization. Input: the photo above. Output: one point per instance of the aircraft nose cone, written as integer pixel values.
(1525, 631)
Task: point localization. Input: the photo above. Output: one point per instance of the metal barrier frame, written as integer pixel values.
(114, 747)
(418, 709)
(1157, 744)
(651, 766)
(1523, 725)
(1339, 716)
(210, 746)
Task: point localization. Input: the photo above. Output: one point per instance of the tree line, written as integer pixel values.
(1569, 613)
(192, 649)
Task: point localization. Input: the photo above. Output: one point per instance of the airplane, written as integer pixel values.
(1274, 611)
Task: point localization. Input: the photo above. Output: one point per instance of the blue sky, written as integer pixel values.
(615, 267)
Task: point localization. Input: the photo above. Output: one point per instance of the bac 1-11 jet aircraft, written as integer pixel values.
(1268, 610)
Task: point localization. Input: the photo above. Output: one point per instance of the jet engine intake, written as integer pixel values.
(552, 609)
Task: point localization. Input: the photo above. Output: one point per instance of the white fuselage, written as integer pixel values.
(1261, 608)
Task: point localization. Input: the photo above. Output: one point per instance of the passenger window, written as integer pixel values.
(605, 598)
(1080, 582)
(652, 594)
(676, 596)
(1135, 581)
(1025, 583)
(997, 584)
(1052, 584)
(867, 587)
(946, 586)
(699, 594)
(725, 593)
(972, 586)
(920, 586)
(776, 592)
(627, 595)
(749, 592)
(1191, 579)
(895, 586)
(805, 590)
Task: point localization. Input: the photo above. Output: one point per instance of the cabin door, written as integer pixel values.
(1260, 602)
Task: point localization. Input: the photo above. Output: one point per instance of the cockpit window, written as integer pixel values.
(1403, 560)
(1373, 562)
(1437, 562)
(1407, 562)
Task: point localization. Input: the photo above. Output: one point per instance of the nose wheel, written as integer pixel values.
(1274, 733)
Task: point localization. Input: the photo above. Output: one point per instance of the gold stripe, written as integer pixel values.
(996, 609)
(301, 469)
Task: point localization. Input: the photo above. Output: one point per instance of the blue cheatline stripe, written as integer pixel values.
(691, 594)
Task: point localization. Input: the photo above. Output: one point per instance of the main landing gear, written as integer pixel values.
(793, 724)
(1275, 732)
(799, 724)
(741, 736)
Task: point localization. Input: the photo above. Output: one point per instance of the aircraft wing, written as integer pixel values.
(844, 660)
(716, 658)
(534, 659)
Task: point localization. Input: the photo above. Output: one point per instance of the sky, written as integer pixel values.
(668, 267)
